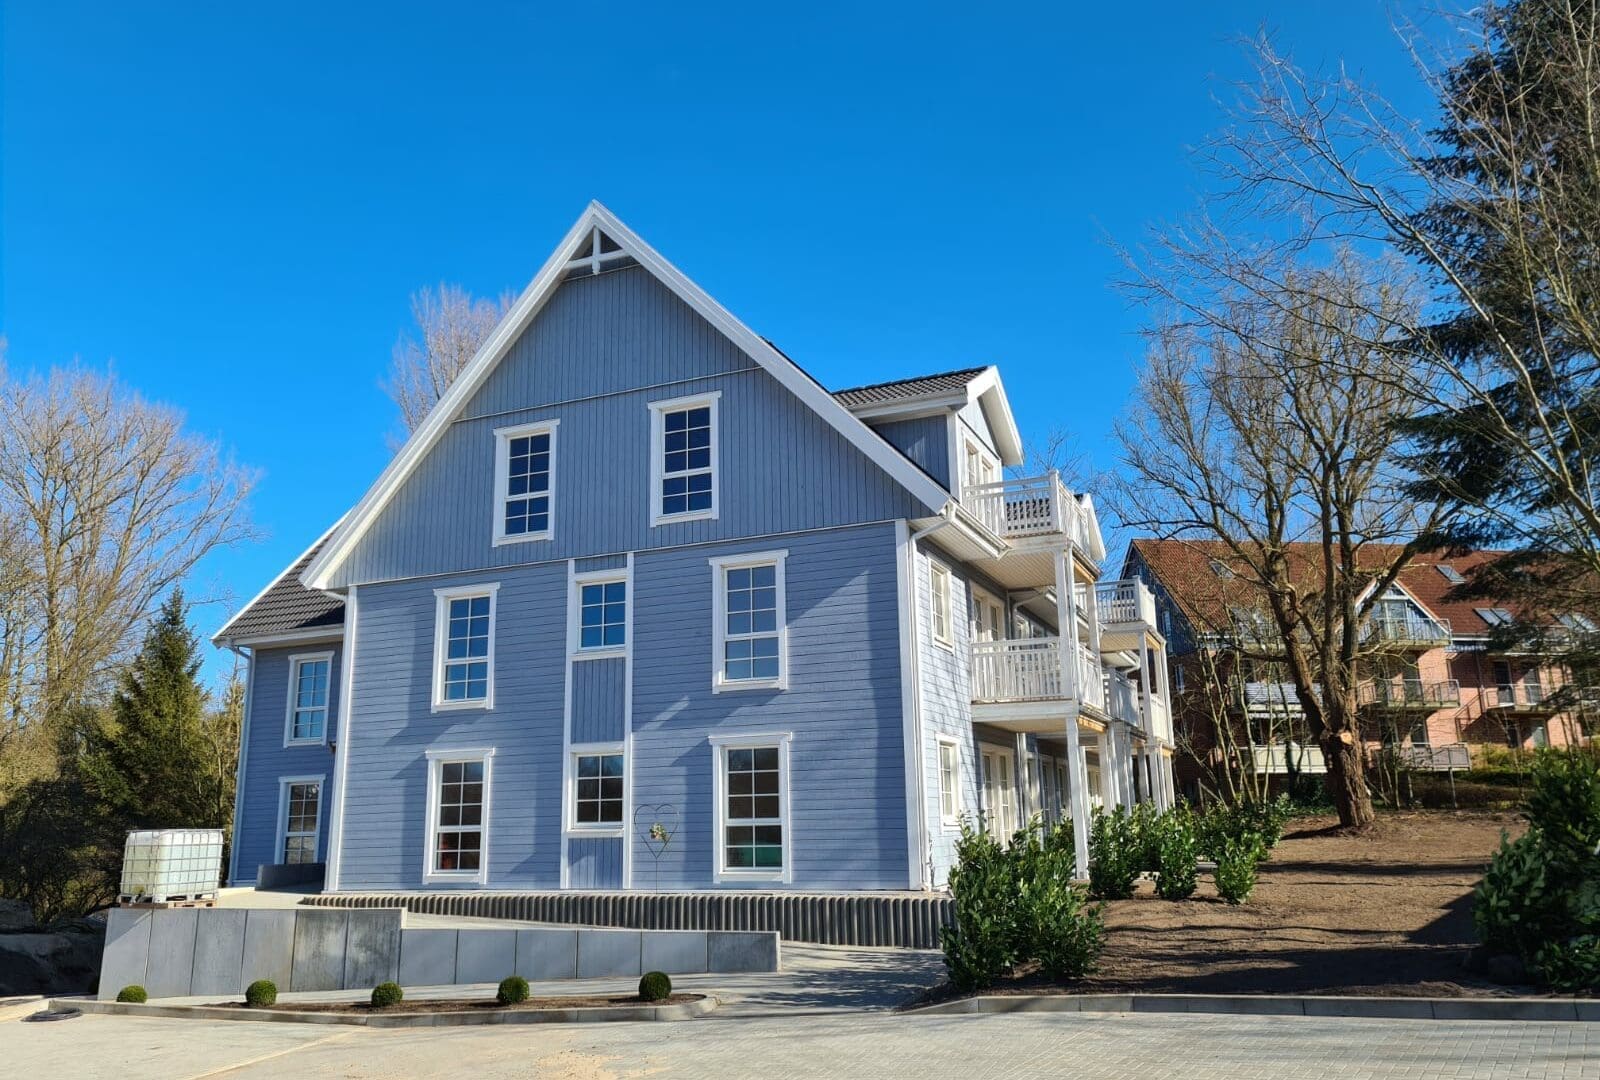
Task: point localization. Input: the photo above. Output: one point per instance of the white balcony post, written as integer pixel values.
(1057, 511)
(1025, 806)
(1147, 711)
(1077, 768)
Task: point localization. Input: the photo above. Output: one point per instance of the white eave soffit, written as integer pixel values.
(544, 284)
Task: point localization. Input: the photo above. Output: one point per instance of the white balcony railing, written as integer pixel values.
(1030, 506)
(1520, 695)
(1126, 601)
(1406, 630)
(1122, 698)
(1278, 757)
(1029, 669)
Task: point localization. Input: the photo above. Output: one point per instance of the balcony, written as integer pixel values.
(1017, 685)
(1279, 699)
(1524, 697)
(1276, 758)
(1409, 694)
(1127, 615)
(1032, 506)
(1122, 699)
(1406, 631)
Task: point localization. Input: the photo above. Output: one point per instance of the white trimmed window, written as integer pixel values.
(598, 794)
(463, 647)
(458, 815)
(940, 579)
(683, 459)
(949, 781)
(299, 815)
(751, 789)
(306, 721)
(524, 482)
(602, 615)
(750, 633)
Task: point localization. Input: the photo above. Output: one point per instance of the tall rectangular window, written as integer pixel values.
(949, 782)
(458, 810)
(752, 807)
(941, 604)
(683, 464)
(524, 482)
(750, 629)
(598, 798)
(463, 675)
(307, 721)
(300, 811)
(602, 615)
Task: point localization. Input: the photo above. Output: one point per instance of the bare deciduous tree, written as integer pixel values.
(1262, 428)
(451, 325)
(106, 503)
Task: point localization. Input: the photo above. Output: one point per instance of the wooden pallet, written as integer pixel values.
(179, 902)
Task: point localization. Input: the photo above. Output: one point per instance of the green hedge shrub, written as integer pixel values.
(386, 994)
(655, 986)
(1177, 855)
(1235, 875)
(513, 990)
(261, 993)
(1116, 855)
(979, 945)
(132, 995)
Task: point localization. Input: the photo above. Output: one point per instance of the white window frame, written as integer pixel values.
(721, 743)
(575, 647)
(294, 685)
(988, 467)
(941, 607)
(437, 759)
(658, 411)
(573, 826)
(982, 604)
(720, 565)
(502, 477)
(953, 818)
(284, 784)
(441, 643)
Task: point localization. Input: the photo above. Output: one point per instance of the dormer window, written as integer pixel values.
(683, 459)
(524, 482)
(1494, 616)
(1220, 568)
(1451, 574)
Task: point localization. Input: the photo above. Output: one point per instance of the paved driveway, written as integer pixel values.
(855, 1045)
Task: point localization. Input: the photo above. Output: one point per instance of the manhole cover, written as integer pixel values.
(54, 1014)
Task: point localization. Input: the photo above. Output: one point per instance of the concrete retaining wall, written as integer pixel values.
(911, 921)
(193, 951)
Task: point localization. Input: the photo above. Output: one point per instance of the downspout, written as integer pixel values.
(239, 765)
(918, 781)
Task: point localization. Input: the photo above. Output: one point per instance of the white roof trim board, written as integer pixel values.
(991, 397)
(319, 573)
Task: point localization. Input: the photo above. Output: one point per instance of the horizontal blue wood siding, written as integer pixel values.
(267, 759)
(925, 440)
(600, 351)
(594, 862)
(843, 706)
(599, 700)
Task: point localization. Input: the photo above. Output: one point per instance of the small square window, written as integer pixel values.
(602, 615)
(597, 802)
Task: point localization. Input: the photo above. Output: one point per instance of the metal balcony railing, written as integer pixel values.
(1267, 698)
(1522, 695)
(1406, 630)
(1403, 693)
(1030, 506)
(1276, 758)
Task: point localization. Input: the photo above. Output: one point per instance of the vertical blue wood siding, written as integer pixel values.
(599, 700)
(925, 440)
(946, 689)
(267, 759)
(601, 349)
(594, 863)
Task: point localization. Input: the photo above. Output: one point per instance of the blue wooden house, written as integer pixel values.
(638, 573)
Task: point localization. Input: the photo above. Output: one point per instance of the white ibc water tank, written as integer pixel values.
(159, 865)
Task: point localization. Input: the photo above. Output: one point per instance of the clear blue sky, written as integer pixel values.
(232, 204)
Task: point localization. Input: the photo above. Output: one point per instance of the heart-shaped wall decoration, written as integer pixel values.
(656, 826)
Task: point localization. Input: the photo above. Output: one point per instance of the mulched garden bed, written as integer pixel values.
(441, 1005)
(1383, 913)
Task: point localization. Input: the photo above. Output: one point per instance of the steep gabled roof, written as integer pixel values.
(603, 237)
(285, 607)
(939, 384)
(948, 389)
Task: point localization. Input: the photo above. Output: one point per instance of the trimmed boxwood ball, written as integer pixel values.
(655, 986)
(261, 993)
(386, 994)
(513, 990)
(132, 994)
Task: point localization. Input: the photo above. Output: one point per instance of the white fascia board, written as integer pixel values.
(533, 298)
(1409, 595)
(987, 390)
(222, 635)
(909, 408)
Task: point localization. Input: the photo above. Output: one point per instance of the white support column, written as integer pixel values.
(1077, 773)
(1105, 742)
(1125, 759)
(1147, 710)
(1025, 807)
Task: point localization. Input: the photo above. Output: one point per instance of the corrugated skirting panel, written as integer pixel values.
(907, 922)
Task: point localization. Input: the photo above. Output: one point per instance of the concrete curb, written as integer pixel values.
(1395, 1008)
(597, 1015)
(18, 1007)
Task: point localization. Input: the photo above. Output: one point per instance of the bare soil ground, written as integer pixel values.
(439, 1005)
(1385, 913)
